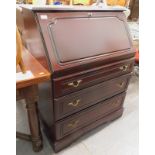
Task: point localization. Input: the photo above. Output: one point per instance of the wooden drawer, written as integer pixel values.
(68, 84)
(74, 102)
(88, 116)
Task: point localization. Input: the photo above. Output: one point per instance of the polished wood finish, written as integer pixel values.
(60, 57)
(90, 55)
(86, 117)
(62, 143)
(31, 37)
(77, 101)
(31, 64)
(62, 85)
(30, 94)
(28, 90)
(19, 50)
(72, 36)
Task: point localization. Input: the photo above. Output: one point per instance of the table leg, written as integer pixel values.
(30, 95)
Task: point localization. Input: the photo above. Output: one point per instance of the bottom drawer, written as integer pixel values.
(87, 116)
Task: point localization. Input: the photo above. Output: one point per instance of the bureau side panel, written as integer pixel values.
(31, 35)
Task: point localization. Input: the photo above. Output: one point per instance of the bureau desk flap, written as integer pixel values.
(76, 38)
(74, 102)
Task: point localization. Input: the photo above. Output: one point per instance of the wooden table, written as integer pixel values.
(27, 88)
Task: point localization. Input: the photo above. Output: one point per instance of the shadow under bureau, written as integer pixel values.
(90, 55)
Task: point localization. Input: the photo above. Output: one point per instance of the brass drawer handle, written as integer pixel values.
(124, 68)
(75, 84)
(121, 84)
(73, 124)
(74, 103)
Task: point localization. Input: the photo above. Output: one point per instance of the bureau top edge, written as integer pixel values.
(70, 8)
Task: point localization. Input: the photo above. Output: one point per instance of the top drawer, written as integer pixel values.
(74, 82)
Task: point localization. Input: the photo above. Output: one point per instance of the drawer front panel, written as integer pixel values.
(84, 118)
(74, 102)
(68, 84)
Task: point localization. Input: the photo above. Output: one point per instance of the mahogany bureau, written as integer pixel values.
(90, 55)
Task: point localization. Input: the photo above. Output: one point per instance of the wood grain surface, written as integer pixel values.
(31, 64)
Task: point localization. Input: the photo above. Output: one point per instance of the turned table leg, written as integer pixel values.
(31, 96)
